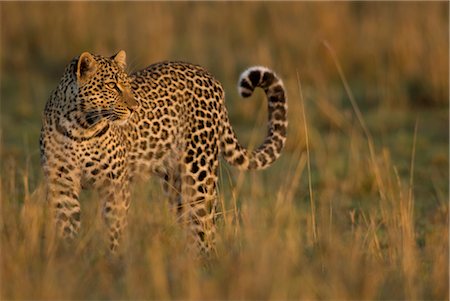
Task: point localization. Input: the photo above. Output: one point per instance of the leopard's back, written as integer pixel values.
(179, 107)
(183, 104)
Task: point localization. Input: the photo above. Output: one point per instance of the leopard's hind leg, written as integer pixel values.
(199, 196)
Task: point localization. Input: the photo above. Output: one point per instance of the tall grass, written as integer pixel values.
(268, 248)
(357, 206)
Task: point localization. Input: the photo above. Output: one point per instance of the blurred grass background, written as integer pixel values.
(376, 226)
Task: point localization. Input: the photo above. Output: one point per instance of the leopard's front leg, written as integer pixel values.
(63, 187)
(116, 196)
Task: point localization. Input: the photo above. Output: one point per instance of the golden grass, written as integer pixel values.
(270, 250)
(357, 206)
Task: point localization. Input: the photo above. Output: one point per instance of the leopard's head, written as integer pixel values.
(104, 89)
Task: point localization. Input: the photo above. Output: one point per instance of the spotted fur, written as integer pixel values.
(102, 128)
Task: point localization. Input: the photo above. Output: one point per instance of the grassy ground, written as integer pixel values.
(356, 208)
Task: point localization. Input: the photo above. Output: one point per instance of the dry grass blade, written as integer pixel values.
(311, 195)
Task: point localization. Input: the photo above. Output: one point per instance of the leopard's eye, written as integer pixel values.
(111, 85)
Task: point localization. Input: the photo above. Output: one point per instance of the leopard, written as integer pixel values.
(104, 127)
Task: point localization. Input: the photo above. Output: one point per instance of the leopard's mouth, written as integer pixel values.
(121, 116)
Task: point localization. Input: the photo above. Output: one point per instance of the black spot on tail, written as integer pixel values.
(278, 90)
(280, 128)
(246, 85)
(268, 79)
(255, 77)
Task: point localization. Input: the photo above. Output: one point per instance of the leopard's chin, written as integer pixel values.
(123, 120)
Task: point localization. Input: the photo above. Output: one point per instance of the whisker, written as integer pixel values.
(97, 116)
(94, 117)
(100, 113)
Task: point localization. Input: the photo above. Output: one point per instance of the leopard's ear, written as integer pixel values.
(120, 58)
(86, 68)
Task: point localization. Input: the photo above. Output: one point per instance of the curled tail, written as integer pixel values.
(271, 148)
